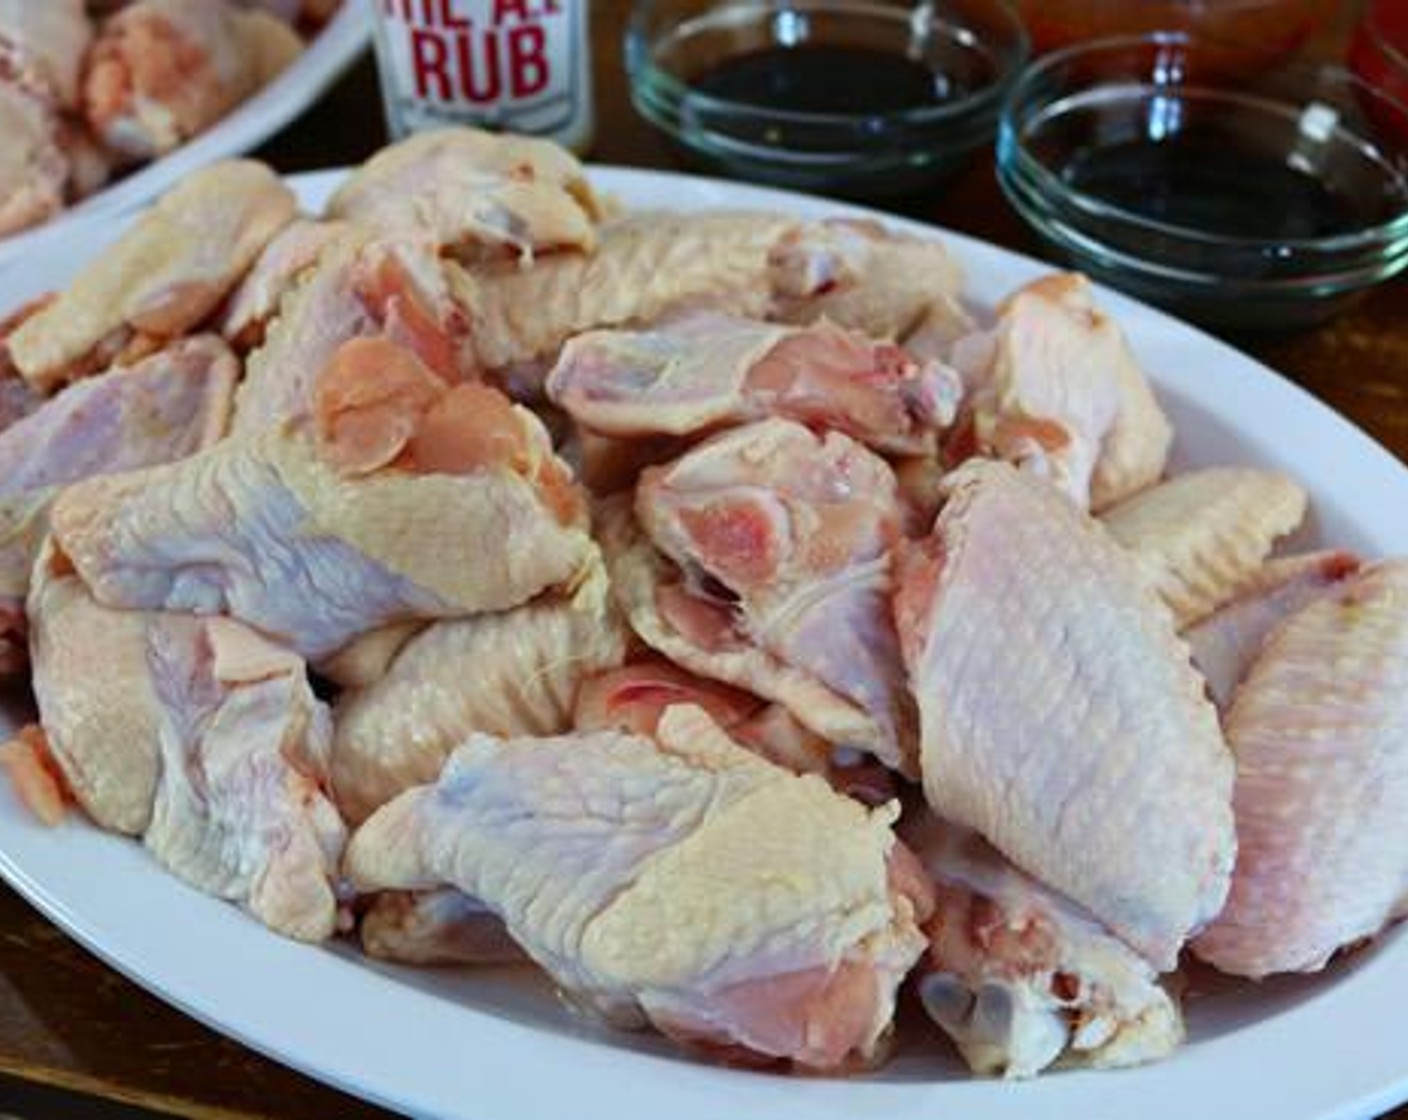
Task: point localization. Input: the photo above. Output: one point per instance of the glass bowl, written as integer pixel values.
(1236, 201)
(974, 50)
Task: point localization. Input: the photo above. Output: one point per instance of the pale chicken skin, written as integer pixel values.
(698, 633)
(1201, 536)
(199, 735)
(283, 262)
(1019, 977)
(1320, 733)
(270, 531)
(358, 287)
(646, 265)
(34, 170)
(707, 370)
(42, 47)
(683, 883)
(240, 810)
(634, 697)
(474, 194)
(511, 673)
(1059, 714)
(161, 71)
(437, 927)
(161, 279)
(797, 529)
(861, 275)
(1225, 645)
(93, 687)
(1057, 391)
(160, 410)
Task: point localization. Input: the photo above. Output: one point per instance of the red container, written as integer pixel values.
(1257, 32)
(1379, 55)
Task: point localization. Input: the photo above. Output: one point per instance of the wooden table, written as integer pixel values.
(66, 1020)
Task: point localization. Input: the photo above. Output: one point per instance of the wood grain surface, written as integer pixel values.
(67, 1020)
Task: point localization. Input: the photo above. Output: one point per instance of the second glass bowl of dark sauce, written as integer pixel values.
(1261, 198)
(843, 96)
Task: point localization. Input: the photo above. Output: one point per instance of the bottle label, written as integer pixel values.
(509, 64)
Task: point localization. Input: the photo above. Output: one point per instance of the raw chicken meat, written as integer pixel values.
(160, 410)
(276, 272)
(509, 674)
(1058, 392)
(442, 926)
(161, 278)
(942, 324)
(161, 71)
(1199, 537)
(473, 193)
(239, 809)
(698, 632)
(689, 884)
(707, 370)
(1059, 714)
(1226, 644)
(34, 170)
(42, 45)
(633, 698)
(270, 529)
(796, 530)
(1320, 733)
(199, 734)
(96, 698)
(861, 275)
(359, 288)
(1019, 977)
(645, 266)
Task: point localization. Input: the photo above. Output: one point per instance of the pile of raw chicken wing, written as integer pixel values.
(90, 89)
(705, 608)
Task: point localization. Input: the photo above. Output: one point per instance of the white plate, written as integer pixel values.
(246, 126)
(496, 1044)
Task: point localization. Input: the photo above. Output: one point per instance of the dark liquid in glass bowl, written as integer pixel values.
(829, 79)
(1207, 183)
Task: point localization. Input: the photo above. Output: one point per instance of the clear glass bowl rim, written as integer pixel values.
(1011, 147)
(1015, 57)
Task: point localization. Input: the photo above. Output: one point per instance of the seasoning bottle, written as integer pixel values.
(514, 65)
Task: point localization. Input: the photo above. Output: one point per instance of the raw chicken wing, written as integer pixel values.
(509, 674)
(358, 288)
(634, 697)
(34, 170)
(1019, 977)
(42, 44)
(277, 271)
(689, 885)
(859, 274)
(709, 370)
(199, 734)
(1226, 643)
(1059, 715)
(1320, 733)
(442, 926)
(160, 410)
(161, 71)
(396, 515)
(796, 530)
(161, 278)
(645, 266)
(698, 632)
(1058, 392)
(473, 193)
(1199, 537)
